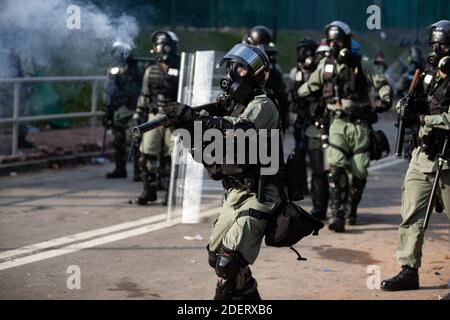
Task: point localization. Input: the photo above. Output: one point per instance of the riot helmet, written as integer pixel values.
(165, 45)
(439, 41)
(323, 50)
(121, 52)
(247, 68)
(339, 37)
(261, 36)
(306, 49)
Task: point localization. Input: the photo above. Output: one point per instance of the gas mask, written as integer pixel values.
(305, 57)
(335, 49)
(237, 84)
(438, 51)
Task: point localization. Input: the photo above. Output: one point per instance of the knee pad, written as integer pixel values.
(142, 161)
(337, 177)
(228, 264)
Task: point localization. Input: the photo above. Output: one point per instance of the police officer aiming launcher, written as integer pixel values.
(250, 199)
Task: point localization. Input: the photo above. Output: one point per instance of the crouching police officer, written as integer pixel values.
(121, 93)
(239, 228)
(159, 87)
(431, 101)
(344, 78)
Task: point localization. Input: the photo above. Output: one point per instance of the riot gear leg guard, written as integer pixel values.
(338, 190)
(120, 155)
(319, 185)
(229, 267)
(354, 198)
(149, 179)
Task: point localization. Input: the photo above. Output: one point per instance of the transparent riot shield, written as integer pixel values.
(197, 85)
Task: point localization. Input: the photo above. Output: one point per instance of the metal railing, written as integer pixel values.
(16, 119)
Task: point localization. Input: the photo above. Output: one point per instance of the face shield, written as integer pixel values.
(246, 69)
(439, 42)
(248, 56)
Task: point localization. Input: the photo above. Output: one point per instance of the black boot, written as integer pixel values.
(338, 189)
(319, 190)
(120, 171)
(116, 174)
(337, 221)
(251, 289)
(149, 192)
(354, 198)
(407, 279)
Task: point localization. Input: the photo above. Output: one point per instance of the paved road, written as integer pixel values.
(53, 220)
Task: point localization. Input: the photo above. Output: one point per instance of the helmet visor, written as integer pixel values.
(438, 35)
(243, 54)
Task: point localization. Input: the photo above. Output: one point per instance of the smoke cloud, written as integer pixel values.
(35, 35)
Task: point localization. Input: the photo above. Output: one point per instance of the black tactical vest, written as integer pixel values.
(123, 86)
(351, 82)
(438, 93)
(163, 85)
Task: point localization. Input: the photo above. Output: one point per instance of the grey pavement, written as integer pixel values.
(128, 252)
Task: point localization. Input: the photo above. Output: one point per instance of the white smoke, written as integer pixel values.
(34, 34)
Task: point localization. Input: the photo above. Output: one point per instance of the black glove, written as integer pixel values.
(179, 114)
(385, 106)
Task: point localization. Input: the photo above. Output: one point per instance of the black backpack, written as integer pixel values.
(290, 225)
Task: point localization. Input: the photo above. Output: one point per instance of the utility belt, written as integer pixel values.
(356, 113)
(432, 143)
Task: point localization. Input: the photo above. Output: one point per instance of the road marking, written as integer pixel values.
(79, 237)
(95, 242)
(65, 245)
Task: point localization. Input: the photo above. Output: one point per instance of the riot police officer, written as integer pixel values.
(344, 79)
(120, 98)
(159, 87)
(275, 86)
(249, 199)
(310, 111)
(431, 103)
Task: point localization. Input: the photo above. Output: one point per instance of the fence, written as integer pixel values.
(16, 119)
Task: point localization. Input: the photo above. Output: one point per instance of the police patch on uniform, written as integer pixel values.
(329, 68)
(428, 78)
(299, 76)
(173, 72)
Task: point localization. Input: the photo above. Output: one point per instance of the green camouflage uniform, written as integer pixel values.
(419, 178)
(349, 130)
(159, 87)
(233, 230)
